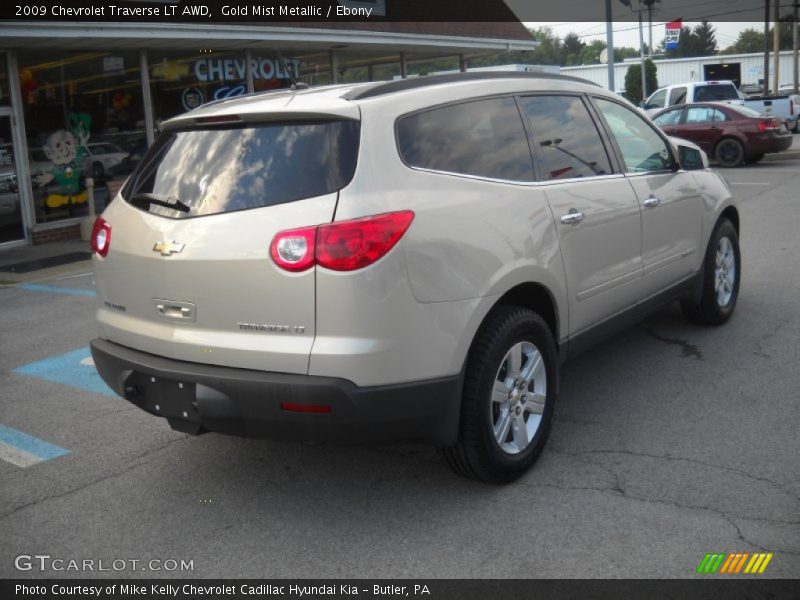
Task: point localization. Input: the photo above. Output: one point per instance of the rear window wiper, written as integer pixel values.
(143, 199)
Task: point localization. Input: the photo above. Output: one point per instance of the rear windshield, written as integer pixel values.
(709, 93)
(212, 171)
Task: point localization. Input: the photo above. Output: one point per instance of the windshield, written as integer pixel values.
(211, 171)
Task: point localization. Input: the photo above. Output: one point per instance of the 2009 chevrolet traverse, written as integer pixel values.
(400, 260)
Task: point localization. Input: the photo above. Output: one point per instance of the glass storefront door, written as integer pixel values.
(11, 225)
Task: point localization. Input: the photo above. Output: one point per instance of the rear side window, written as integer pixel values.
(212, 171)
(566, 140)
(703, 114)
(677, 96)
(484, 138)
(709, 93)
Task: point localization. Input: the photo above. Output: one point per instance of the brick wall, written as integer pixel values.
(61, 234)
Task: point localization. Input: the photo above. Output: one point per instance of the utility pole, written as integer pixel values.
(766, 47)
(650, 24)
(776, 47)
(795, 50)
(610, 46)
(641, 54)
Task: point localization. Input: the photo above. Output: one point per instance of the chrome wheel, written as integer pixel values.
(724, 272)
(519, 394)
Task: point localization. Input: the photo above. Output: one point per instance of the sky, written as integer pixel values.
(627, 34)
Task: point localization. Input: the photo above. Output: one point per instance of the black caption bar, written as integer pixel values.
(422, 589)
(321, 11)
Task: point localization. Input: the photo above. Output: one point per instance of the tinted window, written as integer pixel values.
(677, 96)
(657, 99)
(224, 170)
(671, 117)
(709, 93)
(703, 114)
(641, 147)
(566, 140)
(484, 138)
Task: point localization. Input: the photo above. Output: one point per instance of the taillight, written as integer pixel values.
(767, 125)
(340, 246)
(293, 250)
(351, 245)
(101, 236)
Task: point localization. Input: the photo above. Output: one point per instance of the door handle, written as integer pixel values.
(651, 202)
(573, 217)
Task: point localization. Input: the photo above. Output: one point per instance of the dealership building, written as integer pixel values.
(81, 100)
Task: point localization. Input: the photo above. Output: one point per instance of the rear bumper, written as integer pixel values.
(197, 397)
(769, 143)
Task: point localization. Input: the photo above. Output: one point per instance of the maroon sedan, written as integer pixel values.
(730, 133)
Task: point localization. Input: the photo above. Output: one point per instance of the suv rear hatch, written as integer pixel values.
(188, 272)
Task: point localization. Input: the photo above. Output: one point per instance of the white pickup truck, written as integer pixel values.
(783, 106)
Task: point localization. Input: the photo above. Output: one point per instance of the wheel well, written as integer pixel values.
(732, 215)
(730, 137)
(536, 297)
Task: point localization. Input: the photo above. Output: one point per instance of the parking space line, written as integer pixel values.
(53, 289)
(24, 450)
(75, 369)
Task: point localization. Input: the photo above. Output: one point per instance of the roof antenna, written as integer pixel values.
(296, 85)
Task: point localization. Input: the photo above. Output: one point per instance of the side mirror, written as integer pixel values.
(643, 105)
(691, 159)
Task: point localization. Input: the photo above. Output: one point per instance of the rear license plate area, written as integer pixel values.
(168, 398)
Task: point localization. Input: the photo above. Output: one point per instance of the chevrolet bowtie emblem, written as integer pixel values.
(168, 248)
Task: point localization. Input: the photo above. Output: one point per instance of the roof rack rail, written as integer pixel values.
(401, 85)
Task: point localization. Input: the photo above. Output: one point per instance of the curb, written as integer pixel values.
(785, 155)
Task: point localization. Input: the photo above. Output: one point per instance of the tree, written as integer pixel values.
(590, 55)
(571, 49)
(749, 40)
(752, 40)
(633, 81)
(706, 40)
(620, 54)
(700, 41)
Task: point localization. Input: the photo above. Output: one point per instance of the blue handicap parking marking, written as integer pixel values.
(24, 450)
(54, 289)
(75, 369)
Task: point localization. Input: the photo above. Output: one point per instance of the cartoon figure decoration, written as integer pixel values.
(66, 150)
(80, 124)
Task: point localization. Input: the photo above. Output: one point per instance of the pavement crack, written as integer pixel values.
(670, 458)
(141, 459)
(688, 350)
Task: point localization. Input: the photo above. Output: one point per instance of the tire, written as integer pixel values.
(495, 400)
(751, 160)
(98, 171)
(722, 271)
(729, 153)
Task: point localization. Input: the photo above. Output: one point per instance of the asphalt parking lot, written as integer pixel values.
(671, 441)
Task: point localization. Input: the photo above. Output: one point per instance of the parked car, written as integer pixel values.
(101, 157)
(421, 278)
(689, 93)
(734, 135)
(126, 166)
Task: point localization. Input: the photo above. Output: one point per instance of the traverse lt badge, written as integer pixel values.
(167, 248)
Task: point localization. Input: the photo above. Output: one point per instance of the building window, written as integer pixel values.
(83, 118)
